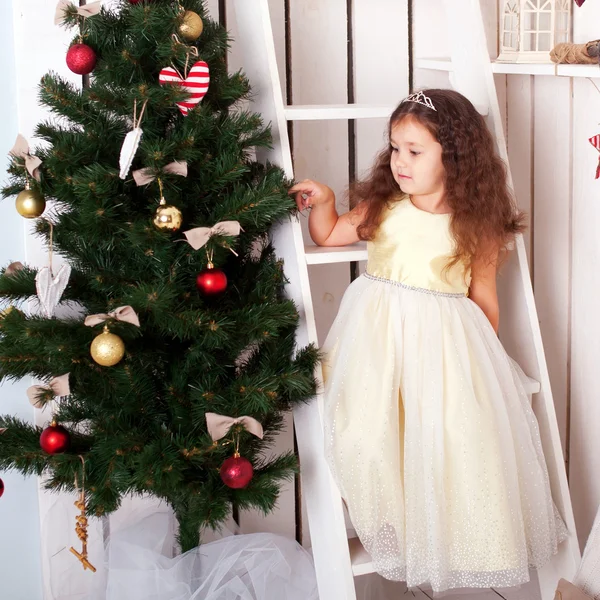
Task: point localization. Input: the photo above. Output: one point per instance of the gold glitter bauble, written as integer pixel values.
(30, 204)
(168, 217)
(107, 349)
(191, 26)
(5, 313)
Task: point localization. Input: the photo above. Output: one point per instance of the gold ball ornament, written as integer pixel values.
(4, 313)
(107, 349)
(167, 217)
(30, 203)
(191, 26)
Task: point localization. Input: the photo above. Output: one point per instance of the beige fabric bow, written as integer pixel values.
(200, 235)
(219, 425)
(32, 163)
(125, 314)
(13, 268)
(567, 591)
(58, 385)
(89, 10)
(147, 175)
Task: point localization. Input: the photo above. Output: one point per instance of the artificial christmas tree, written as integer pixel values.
(158, 126)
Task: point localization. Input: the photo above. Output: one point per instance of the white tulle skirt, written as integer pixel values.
(432, 441)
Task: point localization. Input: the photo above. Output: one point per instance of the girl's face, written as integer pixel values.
(416, 159)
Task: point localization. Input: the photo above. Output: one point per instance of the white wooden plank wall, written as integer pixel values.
(585, 285)
(381, 70)
(30, 17)
(585, 326)
(549, 120)
(518, 93)
(319, 76)
(282, 520)
(550, 224)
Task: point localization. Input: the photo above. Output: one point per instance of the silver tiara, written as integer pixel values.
(420, 98)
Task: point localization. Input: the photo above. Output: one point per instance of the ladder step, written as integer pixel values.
(362, 565)
(434, 64)
(324, 255)
(325, 112)
(360, 558)
(532, 386)
(445, 64)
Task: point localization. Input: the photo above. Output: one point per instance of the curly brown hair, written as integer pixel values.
(483, 210)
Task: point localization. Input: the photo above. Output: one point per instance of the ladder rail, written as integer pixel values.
(323, 502)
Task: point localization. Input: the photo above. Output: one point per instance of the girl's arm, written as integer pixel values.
(483, 287)
(326, 227)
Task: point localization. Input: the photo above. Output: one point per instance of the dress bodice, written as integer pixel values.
(413, 247)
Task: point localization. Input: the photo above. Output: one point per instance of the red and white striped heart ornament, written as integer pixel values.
(595, 141)
(196, 84)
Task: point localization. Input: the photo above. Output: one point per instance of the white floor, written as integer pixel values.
(374, 587)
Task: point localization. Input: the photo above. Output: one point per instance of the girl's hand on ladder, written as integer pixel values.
(309, 193)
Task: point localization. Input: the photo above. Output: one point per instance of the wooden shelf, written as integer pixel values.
(433, 64)
(444, 64)
(326, 112)
(324, 255)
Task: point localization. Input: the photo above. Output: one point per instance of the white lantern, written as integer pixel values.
(529, 29)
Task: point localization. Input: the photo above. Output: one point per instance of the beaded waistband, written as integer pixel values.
(414, 288)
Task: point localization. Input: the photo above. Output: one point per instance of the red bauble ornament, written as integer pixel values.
(211, 281)
(55, 439)
(236, 472)
(81, 59)
(1, 488)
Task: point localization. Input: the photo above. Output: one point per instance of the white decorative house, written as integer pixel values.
(529, 29)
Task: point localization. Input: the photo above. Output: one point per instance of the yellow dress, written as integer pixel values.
(429, 432)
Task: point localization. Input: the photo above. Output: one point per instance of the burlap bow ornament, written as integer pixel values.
(567, 591)
(13, 268)
(125, 314)
(58, 386)
(64, 7)
(32, 163)
(199, 236)
(148, 174)
(219, 425)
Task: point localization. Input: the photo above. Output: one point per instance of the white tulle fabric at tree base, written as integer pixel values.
(258, 566)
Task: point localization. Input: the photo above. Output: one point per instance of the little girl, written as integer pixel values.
(429, 432)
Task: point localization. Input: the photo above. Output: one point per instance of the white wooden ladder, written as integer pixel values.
(339, 559)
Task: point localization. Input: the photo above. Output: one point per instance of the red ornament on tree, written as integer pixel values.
(1, 488)
(55, 439)
(211, 281)
(81, 59)
(236, 472)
